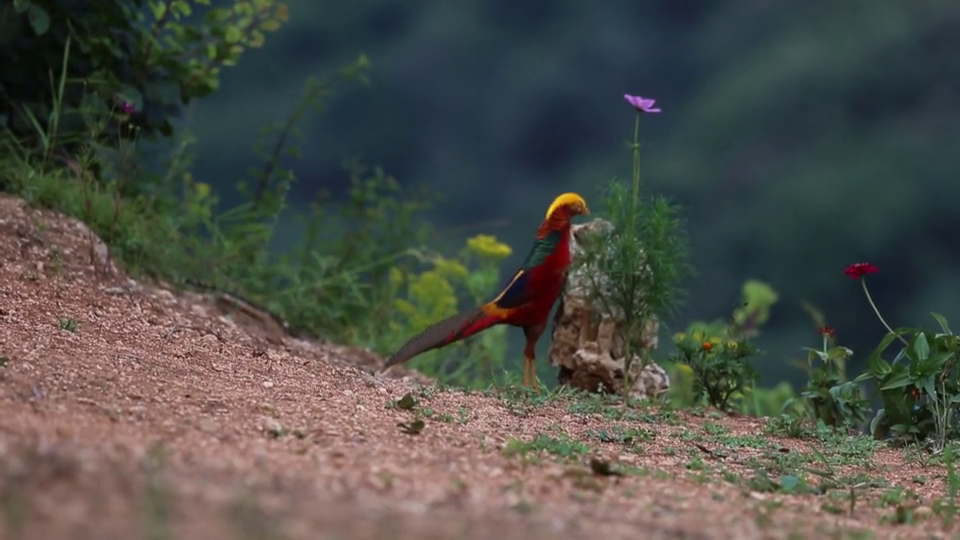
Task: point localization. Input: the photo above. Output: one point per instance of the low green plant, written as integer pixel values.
(720, 369)
(828, 396)
(759, 401)
(637, 268)
(744, 322)
(920, 386)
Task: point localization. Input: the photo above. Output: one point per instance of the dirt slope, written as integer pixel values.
(131, 412)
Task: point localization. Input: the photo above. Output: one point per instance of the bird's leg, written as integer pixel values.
(529, 355)
(530, 364)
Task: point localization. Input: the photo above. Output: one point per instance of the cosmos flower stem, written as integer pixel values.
(636, 161)
(877, 311)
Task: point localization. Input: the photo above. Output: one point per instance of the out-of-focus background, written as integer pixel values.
(799, 136)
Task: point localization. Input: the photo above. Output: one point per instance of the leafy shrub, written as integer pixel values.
(919, 388)
(719, 368)
(743, 323)
(829, 397)
(81, 60)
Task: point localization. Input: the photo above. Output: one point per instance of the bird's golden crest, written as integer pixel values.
(574, 201)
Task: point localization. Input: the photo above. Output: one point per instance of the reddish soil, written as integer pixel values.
(129, 411)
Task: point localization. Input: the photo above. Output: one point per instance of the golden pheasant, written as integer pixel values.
(525, 301)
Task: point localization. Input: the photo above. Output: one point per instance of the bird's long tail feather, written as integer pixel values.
(445, 332)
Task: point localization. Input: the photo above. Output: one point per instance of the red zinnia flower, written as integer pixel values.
(858, 270)
(826, 331)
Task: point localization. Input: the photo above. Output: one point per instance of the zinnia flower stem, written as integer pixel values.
(877, 311)
(636, 161)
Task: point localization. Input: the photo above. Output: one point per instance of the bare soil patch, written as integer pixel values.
(129, 411)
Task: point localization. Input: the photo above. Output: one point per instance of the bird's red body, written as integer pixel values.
(526, 300)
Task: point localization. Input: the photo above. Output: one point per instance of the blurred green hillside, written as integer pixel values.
(800, 136)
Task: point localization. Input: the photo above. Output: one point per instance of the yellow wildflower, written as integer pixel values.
(486, 245)
(203, 190)
(450, 268)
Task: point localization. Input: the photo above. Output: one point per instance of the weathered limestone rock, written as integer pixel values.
(588, 344)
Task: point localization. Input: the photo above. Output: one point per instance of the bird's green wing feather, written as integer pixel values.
(516, 292)
(542, 249)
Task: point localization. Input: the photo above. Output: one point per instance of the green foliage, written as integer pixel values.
(920, 387)
(719, 368)
(81, 60)
(757, 401)
(334, 283)
(702, 337)
(637, 267)
(828, 396)
(447, 286)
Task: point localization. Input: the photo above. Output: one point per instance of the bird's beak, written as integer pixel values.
(586, 211)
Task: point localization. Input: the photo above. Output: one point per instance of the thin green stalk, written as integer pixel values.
(631, 224)
(877, 311)
(636, 162)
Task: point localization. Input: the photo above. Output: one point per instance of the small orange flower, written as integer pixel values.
(707, 346)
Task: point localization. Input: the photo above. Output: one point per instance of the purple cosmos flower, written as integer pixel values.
(641, 104)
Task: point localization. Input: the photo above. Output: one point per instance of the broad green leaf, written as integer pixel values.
(876, 425)
(232, 34)
(884, 343)
(838, 354)
(876, 365)
(39, 19)
(897, 380)
(920, 348)
(19, 6)
(814, 353)
(935, 363)
(159, 9)
(942, 321)
(181, 8)
(928, 386)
